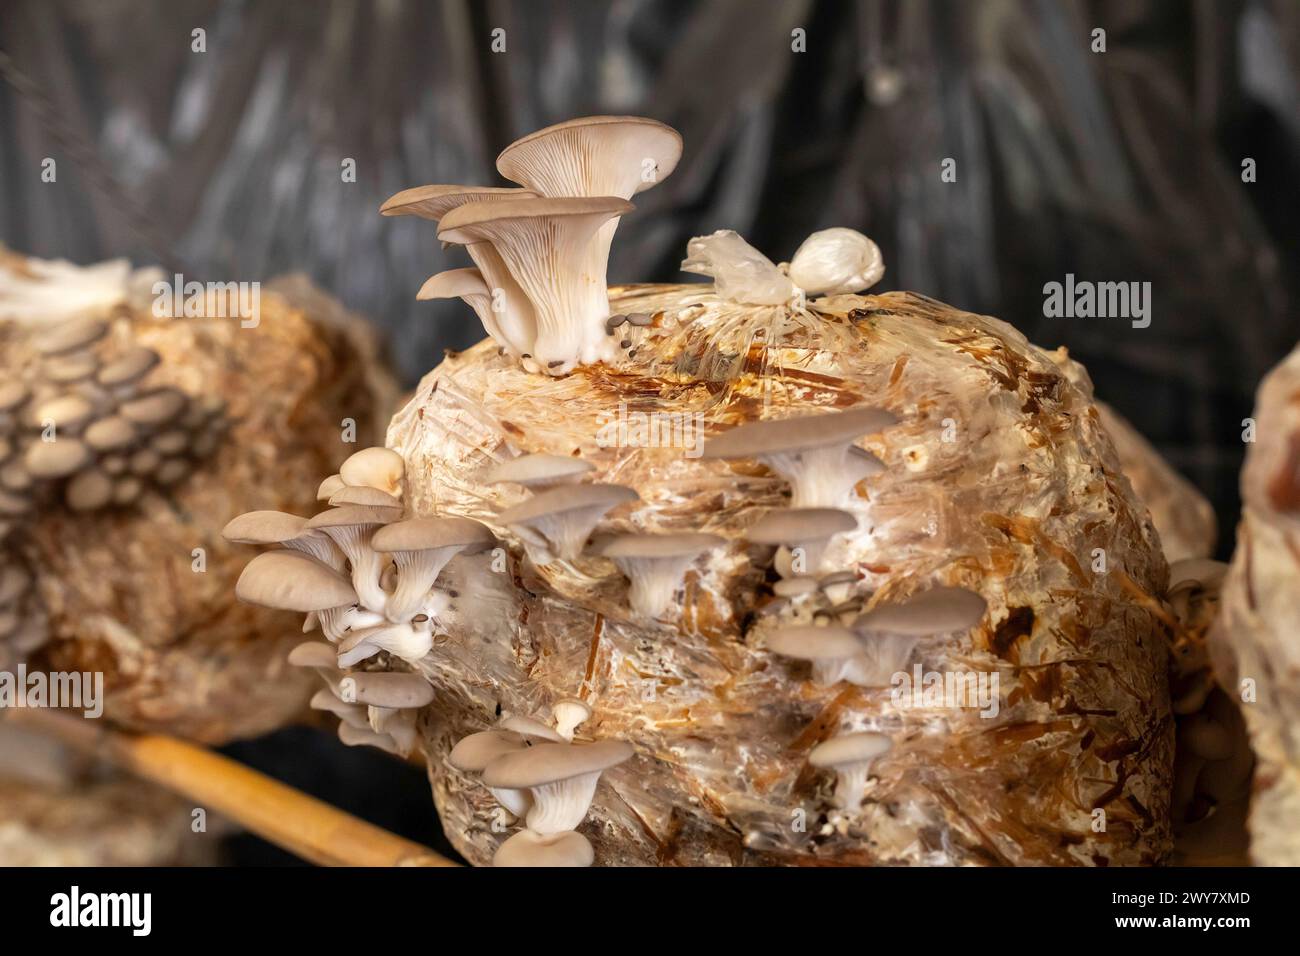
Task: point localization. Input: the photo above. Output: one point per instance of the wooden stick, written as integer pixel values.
(301, 824)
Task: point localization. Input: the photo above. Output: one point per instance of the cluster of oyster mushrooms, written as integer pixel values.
(81, 425)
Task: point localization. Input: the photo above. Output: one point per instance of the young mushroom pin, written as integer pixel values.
(375, 467)
(815, 453)
(851, 757)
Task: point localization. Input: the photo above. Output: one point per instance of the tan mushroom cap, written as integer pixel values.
(434, 202)
(453, 284)
(70, 336)
(938, 610)
(593, 156)
(316, 654)
(787, 525)
(263, 527)
(476, 751)
(55, 459)
(1196, 572)
(795, 587)
(528, 849)
(478, 222)
(651, 546)
(538, 470)
(391, 689)
(366, 496)
(799, 433)
(350, 516)
(130, 367)
(376, 467)
(66, 411)
(67, 369)
(330, 487)
(12, 394)
(293, 581)
(528, 727)
(567, 498)
(89, 490)
(423, 534)
(849, 749)
(157, 408)
(110, 434)
(550, 762)
(809, 643)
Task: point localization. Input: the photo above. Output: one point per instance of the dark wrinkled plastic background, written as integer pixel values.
(1122, 166)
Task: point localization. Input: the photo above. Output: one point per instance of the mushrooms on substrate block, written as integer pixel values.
(851, 757)
(814, 453)
(557, 522)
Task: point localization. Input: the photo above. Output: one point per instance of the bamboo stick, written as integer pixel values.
(303, 825)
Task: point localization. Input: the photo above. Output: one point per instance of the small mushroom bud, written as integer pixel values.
(837, 260)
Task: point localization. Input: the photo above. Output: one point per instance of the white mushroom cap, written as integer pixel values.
(656, 564)
(809, 451)
(365, 495)
(564, 517)
(833, 650)
(292, 581)
(833, 261)
(473, 753)
(851, 757)
(529, 728)
(570, 713)
(539, 470)
(376, 467)
(1196, 572)
(434, 202)
(469, 286)
(330, 487)
(561, 778)
(263, 527)
(421, 548)
(529, 849)
(391, 689)
(938, 610)
(544, 244)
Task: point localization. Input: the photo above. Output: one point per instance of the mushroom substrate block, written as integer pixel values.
(998, 478)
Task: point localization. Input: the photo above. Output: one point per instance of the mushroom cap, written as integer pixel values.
(567, 498)
(66, 369)
(314, 654)
(464, 224)
(527, 727)
(849, 749)
(70, 336)
(66, 411)
(55, 459)
(529, 849)
(566, 159)
(547, 763)
(392, 689)
(538, 469)
(422, 534)
(88, 490)
(434, 202)
(677, 545)
(12, 394)
(1196, 572)
(130, 367)
(263, 527)
(795, 587)
(366, 496)
(350, 516)
(810, 643)
(799, 433)
(156, 408)
(573, 702)
(330, 487)
(109, 434)
(785, 525)
(453, 284)
(293, 581)
(476, 751)
(377, 467)
(937, 610)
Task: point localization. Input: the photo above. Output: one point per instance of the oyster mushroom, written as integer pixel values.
(529, 729)
(70, 336)
(375, 467)
(656, 564)
(938, 610)
(812, 452)
(834, 651)
(292, 581)
(127, 369)
(352, 527)
(353, 714)
(330, 487)
(473, 754)
(544, 243)
(539, 471)
(569, 714)
(851, 757)
(528, 849)
(557, 522)
(833, 261)
(806, 530)
(55, 459)
(421, 548)
(468, 286)
(560, 777)
(367, 496)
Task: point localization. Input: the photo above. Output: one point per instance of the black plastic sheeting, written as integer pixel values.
(1123, 165)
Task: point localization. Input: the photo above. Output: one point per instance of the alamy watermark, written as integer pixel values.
(1098, 300)
(636, 429)
(922, 689)
(75, 690)
(208, 300)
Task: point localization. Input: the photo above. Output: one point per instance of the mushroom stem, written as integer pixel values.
(561, 805)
